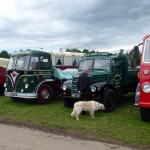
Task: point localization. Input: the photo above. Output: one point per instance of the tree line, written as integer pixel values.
(133, 54)
(79, 51)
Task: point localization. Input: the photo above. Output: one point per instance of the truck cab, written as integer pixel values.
(110, 78)
(29, 75)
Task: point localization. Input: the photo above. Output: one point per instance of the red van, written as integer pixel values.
(142, 96)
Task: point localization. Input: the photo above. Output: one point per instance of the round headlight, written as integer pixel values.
(4, 84)
(93, 89)
(146, 88)
(64, 87)
(26, 86)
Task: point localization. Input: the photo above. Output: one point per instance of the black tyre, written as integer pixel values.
(2, 89)
(68, 102)
(145, 114)
(109, 100)
(45, 94)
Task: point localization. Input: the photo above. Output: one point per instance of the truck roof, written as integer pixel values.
(67, 54)
(24, 52)
(100, 55)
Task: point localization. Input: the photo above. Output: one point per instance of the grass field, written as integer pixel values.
(122, 125)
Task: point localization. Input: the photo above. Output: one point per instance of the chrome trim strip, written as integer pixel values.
(21, 95)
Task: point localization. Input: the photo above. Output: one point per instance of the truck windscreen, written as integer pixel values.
(19, 62)
(12, 62)
(85, 63)
(101, 64)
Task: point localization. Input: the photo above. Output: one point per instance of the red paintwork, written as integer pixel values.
(2, 75)
(65, 67)
(144, 97)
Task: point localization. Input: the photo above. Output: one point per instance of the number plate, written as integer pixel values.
(13, 94)
(75, 95)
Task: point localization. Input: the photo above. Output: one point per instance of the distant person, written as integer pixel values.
(59, 62)
(83, 85)
(74, 63)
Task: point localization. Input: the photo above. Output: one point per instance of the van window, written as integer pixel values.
(146, 56)
(59, 60)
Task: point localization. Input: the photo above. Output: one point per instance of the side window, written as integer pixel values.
(117, 65)
(45, 62)
(59, 61)
(117, 62)
(34, 63)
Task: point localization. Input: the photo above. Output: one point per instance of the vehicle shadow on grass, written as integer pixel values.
(25, 101)
(33, 101)
(125, 100)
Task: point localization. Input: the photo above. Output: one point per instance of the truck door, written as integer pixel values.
(117, 75)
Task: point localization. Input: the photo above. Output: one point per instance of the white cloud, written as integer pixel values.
(55, 24)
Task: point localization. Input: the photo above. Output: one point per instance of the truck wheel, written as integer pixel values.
(2, 89)
(145, 114)
(68, 103)
(45, 94)
(109, 100)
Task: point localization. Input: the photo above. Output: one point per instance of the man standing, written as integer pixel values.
(83, 85)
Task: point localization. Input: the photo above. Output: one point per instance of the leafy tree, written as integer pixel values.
(67, 50)
(73, 50)
(85, 51)
(4, 54)
(135, 56)
(121, 52)
(93, 51)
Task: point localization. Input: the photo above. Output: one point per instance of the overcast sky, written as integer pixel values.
(84, 24)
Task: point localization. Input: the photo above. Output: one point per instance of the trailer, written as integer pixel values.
(65, 60)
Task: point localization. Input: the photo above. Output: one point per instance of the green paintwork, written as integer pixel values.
(27, 80)
(118, 76)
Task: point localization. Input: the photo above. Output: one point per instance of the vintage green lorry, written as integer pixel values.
(30, 74)
(110, 78)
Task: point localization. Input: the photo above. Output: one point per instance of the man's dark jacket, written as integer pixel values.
(83, 83)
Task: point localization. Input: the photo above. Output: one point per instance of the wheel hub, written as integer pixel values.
(45, 94)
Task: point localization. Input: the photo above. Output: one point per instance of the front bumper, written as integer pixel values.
(73, 96)
(137, 95)
(137, 98)
(21, 95)
(76, 96)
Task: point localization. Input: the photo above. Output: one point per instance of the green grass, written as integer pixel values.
(122, 125)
